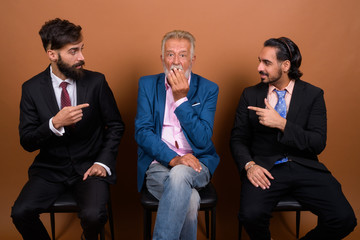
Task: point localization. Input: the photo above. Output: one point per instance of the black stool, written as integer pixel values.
(208, 200)
(287, 203)
(67, 204)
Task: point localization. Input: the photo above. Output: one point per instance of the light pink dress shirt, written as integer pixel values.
(172, 133)
(273, 98)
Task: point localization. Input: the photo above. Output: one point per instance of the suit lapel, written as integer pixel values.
(161, 97)
(263, 91)
(48, 91)
(194, 81)
(81, 91)
(296, 100)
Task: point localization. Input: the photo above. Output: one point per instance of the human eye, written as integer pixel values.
(72, 51)
(267, 63)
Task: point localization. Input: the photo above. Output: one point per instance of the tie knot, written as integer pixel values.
(280, 93)
(63, 85)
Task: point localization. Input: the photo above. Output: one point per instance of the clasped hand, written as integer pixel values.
(178, 82)
(188, 160)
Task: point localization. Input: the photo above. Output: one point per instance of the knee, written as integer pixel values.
(253, 215)
(93, 218)
(180, 174)
(345, 221)
(20, 212)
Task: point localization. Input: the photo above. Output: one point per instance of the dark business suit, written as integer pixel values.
(303, 139)
(62, 161)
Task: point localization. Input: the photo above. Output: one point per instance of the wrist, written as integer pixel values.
(55, 123)
(249, 165)
(173, 161)
(282, 125)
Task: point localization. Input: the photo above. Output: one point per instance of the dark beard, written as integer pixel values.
(71, 71)
(272, 79)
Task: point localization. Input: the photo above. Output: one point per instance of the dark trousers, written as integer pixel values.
(317, 190)
(39, 194)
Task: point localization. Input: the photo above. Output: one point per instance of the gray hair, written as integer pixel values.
(178, 34)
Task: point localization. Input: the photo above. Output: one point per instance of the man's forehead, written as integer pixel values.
(268, 53)
(68, 46)
(182, 43)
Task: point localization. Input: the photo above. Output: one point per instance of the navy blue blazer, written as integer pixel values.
(196, 117)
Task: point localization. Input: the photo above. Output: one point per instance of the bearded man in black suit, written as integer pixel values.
(71, 116)
(280, 128)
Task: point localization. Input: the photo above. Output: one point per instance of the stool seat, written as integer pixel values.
(287, 203)
(66, 204)
(208, 201)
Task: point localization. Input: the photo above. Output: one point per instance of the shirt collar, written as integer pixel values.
(289, 88)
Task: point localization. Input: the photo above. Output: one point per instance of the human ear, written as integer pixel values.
(53, 56)
(286, 66)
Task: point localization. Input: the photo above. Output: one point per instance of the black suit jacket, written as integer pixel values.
(304, 136)
(95, 138)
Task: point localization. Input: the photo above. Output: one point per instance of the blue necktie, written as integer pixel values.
(281, 104)
(281, 109)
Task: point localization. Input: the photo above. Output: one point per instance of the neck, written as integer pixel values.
(56, 71)
(281, 84)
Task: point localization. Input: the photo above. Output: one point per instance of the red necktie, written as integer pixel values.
(65, 99)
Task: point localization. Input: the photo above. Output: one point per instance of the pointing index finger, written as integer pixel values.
(254, 108)
(84, 105)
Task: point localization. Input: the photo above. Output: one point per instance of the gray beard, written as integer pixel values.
(166, 71)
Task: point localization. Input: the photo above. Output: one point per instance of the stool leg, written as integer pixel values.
(52, 223)
(297, 224)
(111, 220)
(102, 233)
(213, 223)
(147, 224)
(207, 223)
(240, 229)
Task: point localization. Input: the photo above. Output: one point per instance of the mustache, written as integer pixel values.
(80, 63)
(176, 66)
(263, 73)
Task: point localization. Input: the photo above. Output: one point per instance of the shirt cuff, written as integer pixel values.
(58, 132)
(104, 166)
(180, 101)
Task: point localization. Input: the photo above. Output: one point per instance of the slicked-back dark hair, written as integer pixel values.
(57, 33)
(287, 50)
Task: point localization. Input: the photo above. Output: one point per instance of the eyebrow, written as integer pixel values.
(76, 48)
(181, 51)
(264, 60)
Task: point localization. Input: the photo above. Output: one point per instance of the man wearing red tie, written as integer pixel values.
(71, 116)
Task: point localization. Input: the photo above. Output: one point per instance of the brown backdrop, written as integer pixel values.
(122, 40)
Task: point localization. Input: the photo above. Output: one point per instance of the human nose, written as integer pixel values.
(81, 56)
(260, 67)
(176, 59)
